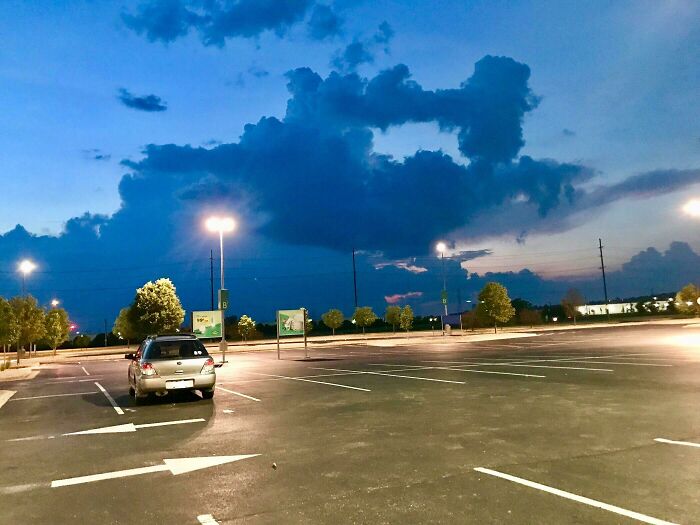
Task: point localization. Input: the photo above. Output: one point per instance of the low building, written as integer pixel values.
(623, 308)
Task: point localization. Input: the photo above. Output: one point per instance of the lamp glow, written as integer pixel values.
(692, 208)
(220, 224)
(55, 302)
(441, 247)
(26, 267)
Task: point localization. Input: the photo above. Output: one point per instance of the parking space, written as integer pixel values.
(584, 426)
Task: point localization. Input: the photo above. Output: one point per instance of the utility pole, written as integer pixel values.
(354, 275)
(211, 276)
(605, 284)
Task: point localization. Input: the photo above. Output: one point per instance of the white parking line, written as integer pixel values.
(524, 366)
(395, 375)
(581, 499)
(237, 393)
(207, 519)
(86, 372)
(457, 369)
(312, 381)
(110, 399)
(613, 363)
(684, 443)
(53, 395)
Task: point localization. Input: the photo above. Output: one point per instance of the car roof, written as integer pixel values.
(172, 337)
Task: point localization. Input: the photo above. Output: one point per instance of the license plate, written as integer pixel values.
(184, 383)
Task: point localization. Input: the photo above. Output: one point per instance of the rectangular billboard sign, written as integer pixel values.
(290, 322)
(206, 324)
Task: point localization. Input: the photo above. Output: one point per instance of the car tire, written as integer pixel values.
(132, 392)
(207, 394)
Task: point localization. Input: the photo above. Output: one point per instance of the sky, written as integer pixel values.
(518, 132)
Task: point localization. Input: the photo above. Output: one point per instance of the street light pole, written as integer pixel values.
(222, 344)
(444, 280)
(441, 247)
(221, 225)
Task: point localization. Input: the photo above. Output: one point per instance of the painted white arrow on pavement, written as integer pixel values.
(175, 466)
(130, 427)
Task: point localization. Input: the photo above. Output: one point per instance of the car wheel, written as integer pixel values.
(207, 394)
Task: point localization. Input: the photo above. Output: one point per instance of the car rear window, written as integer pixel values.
(187, 349)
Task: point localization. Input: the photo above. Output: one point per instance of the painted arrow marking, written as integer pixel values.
(175, 466)
(130, 427)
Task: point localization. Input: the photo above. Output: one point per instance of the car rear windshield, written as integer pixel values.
(187, 349)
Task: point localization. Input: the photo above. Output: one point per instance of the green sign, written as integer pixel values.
(223, 299)
(443, 295)
(206, 324)
(290, 322)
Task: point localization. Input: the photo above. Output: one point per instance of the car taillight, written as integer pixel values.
(148, 370)
(208, 367)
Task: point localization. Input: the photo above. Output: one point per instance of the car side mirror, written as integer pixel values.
(129, 356)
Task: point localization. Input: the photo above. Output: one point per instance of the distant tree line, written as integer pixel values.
(25, 325)
(157, 309)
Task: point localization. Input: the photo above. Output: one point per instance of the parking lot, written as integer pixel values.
(580, 426)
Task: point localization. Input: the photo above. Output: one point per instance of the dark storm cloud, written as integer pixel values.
(362, 51)
(162, 20)
(316, 178)
(647, 184)
(324, 23)
(486, 111)
(354, 54)
(216, 20)
(149, 103)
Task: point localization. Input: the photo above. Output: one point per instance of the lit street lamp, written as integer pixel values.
(54, 303)
(25, 268)
(221, 225)
(442, 247)
(692, 207)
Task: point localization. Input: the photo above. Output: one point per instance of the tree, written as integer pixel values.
(494, 304)
(406, 318)
(687, 300)
(393, 316)
(57, 327)
(571, 301)
(81, 341)
(333, 318)
(123, 327)
(30, 319)
(364, 316)
(528, 316)
(246, 326)
(156, 308)
(9, 328)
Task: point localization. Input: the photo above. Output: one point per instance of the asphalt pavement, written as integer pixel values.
(584, 426)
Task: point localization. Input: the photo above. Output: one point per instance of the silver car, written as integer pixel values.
(164, 363)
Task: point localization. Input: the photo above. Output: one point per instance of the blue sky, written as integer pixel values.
(614, 94)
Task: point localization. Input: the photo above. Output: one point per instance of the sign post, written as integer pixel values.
(306, 348)
(223, 305)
